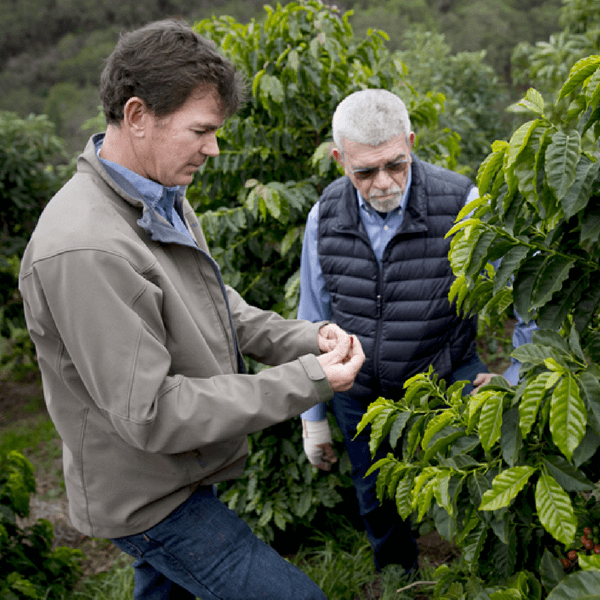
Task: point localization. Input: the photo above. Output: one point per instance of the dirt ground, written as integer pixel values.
(21, 403)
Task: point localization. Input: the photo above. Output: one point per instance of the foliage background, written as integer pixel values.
(254, 198)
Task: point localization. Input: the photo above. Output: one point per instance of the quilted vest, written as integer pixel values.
(399, 311)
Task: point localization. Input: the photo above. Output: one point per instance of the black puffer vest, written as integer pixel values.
(400, 312)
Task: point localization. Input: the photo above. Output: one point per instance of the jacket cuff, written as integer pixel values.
(317, 376)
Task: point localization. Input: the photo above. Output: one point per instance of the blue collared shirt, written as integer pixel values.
(164, 200)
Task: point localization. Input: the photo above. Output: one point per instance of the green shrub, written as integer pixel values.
(510, 474)
(29, 567)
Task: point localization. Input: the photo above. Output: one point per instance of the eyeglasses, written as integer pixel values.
(396, 167)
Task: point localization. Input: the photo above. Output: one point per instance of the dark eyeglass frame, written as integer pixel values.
(369, 173)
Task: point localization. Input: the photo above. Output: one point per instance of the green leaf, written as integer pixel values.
(511, 441)
(519, 140)
(533, 101)
(490, 421)
(436, 424)
(531, 401)
(551, 570)
(568, 415)
(489, 168)
(562, 156)
(551, 276)
(554, 509)
(580, 71)
(505, 486)
(474, 541)
(398, 427)
(582, 585)
(589, 562)
(568, 477)
(523, 285)
(511, 261)
(579, 192)
(403, 495)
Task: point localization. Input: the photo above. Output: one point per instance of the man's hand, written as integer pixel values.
(318, 444)
(343, 361)
(329, 336)
(481, 380)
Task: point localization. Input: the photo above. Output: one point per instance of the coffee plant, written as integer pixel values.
(29, 566)
(510, 474)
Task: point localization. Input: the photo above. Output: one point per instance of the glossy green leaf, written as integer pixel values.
(581, 585)
(436, 424)
(562, 156)
(510, 263)
(489, 168)
(554, 509)
(490, 421)
(534, 101)
(578, 193)
(505, 487)
(550, 279)
(403, 495)
(474, 541)
(580, 71)
(531, 401)
(567, 476)
(519, 140)
(568, 415)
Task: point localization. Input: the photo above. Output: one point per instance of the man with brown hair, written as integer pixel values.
(140, 342)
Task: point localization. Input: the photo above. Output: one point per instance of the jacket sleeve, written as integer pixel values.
(268, 337)
(98, 326)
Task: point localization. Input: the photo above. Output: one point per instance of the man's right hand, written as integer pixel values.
(318, 445)
(343, 362)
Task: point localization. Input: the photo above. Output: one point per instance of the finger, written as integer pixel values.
(329, 454)
(324, 466)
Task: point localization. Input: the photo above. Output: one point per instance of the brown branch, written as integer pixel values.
(413, 585)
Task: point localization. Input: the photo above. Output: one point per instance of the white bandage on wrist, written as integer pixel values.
(315, 433)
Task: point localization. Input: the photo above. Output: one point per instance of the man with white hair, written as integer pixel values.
(375, 262)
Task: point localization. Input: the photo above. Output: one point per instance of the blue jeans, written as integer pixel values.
(203, 549)
(390, 536)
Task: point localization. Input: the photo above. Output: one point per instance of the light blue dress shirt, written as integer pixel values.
(315, 301)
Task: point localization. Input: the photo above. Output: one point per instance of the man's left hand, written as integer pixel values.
(481, 380)
(330, 336)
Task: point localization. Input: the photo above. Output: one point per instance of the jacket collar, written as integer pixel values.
(154, 225)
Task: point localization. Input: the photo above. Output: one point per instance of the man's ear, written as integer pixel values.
(411, 140)
(337, 155)
(135, 116)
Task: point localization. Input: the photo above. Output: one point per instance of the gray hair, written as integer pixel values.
(370, 117)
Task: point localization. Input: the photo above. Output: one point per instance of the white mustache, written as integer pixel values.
(391, 192)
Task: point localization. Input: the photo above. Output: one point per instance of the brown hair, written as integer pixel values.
(163, 63)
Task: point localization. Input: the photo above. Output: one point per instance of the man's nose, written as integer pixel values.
(383, 180)
(211, 146)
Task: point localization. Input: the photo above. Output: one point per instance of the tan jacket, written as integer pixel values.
(138, 356)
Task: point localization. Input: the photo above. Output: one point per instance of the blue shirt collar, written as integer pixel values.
(150, 190)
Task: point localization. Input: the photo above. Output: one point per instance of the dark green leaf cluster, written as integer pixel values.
(28, 180)
(29, 566)
(279, 487)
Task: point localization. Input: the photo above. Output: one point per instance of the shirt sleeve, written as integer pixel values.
(315, 301)
(521, 335)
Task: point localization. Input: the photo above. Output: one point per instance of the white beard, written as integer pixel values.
(382, 204)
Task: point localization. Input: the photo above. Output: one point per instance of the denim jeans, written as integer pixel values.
(390, 536)
(203, 549)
